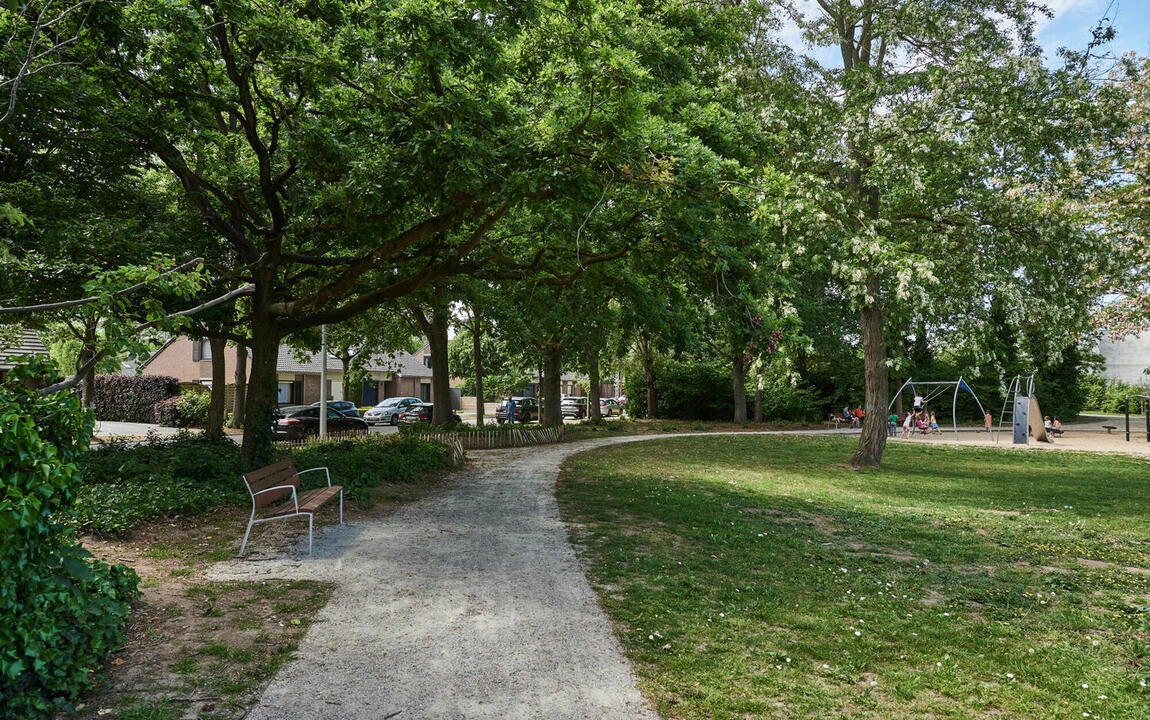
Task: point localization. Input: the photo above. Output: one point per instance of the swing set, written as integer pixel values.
(936, 388)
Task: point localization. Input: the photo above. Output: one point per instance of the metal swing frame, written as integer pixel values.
(943, 383)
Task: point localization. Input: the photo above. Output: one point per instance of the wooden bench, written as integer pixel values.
(1109, 429)
(281, 480)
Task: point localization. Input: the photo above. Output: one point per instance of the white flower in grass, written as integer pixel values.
(1085, 686)
(1103, 697)
(873, 683)
(827, 667)
(1010, 675)
(857, 633)
(788, 659)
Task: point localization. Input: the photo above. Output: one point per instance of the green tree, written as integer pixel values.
(941, 168)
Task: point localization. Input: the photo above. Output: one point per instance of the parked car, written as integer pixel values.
(609, 407)
(300, 421)
(526, 409)
(343, 407)
(573, 407)
(388, 411)
(422, 412)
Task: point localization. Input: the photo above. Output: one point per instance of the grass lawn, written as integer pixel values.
(760, 577)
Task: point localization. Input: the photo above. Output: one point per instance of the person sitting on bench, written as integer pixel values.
(1055, 428)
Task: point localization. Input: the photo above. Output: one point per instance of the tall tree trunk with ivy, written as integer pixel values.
(216, 409)
(241, 386)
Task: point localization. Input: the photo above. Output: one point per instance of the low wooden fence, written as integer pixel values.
(458, 443)
(495, 439)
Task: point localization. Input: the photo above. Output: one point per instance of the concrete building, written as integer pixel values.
(1127, 360)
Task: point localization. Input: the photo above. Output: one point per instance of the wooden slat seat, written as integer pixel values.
(281, 480)
(309, 501)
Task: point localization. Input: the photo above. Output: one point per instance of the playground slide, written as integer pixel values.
(1036, 425)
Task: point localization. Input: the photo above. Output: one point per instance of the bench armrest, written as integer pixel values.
(325, 472)
(294, 498)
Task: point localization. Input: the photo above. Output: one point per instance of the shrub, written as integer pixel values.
(188, 410)
(185, 475)
(684, 390)
(1109, 396)
(367, 462)
(62, 610)
(128, 398)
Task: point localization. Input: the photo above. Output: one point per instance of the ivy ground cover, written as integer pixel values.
(758, 577)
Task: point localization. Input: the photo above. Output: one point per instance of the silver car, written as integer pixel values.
(387, 412)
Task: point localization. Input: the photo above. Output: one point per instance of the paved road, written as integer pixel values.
(469, 604)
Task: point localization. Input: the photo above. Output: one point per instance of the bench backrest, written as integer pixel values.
(281, 473)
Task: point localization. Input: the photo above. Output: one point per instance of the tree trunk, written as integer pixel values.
(260, 406)
(874, 431)
(552, 386)
(739, 382)
(215, 428)
(435, 329)
(758, 392)
(648, 354)
(477, 359)
(593, 379)
(241, 386)
(88, 351)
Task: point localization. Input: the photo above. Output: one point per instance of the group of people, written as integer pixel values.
(919, 419)
(1053, 427)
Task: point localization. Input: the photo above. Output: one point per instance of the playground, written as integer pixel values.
(1088, 433)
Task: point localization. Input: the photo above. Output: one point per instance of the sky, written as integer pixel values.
(1070, 26)
(1074, 19)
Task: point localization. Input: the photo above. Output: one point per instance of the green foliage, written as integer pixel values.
(787, 398)
(62, 610)
(685, 390)
(185, 475)
(1106, 395)
(132, 398)
(364, 463)
(189, 410)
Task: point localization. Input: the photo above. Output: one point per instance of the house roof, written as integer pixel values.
(27, 343)
(287, 362)
(403, 364)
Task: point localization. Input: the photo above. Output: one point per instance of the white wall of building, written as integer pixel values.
(1127, 359)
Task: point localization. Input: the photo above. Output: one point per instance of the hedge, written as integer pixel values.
(62, 611)
(185, 411)
(132, 398)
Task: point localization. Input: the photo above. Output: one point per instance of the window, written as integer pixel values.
(427, 361)
(284, 393)
(201, 350)
(425, 392)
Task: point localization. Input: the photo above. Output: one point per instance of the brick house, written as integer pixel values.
(190, 361)
(405, 375)
(27, 343)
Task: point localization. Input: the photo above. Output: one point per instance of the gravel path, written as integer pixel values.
(469, 604)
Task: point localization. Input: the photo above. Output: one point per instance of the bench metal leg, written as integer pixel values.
(245, 542)
(341, 508)
(310, 518)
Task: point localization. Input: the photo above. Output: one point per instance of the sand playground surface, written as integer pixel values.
(1086, 434)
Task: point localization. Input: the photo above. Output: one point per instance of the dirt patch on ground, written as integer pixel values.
(200, 649)
(1102, 565)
